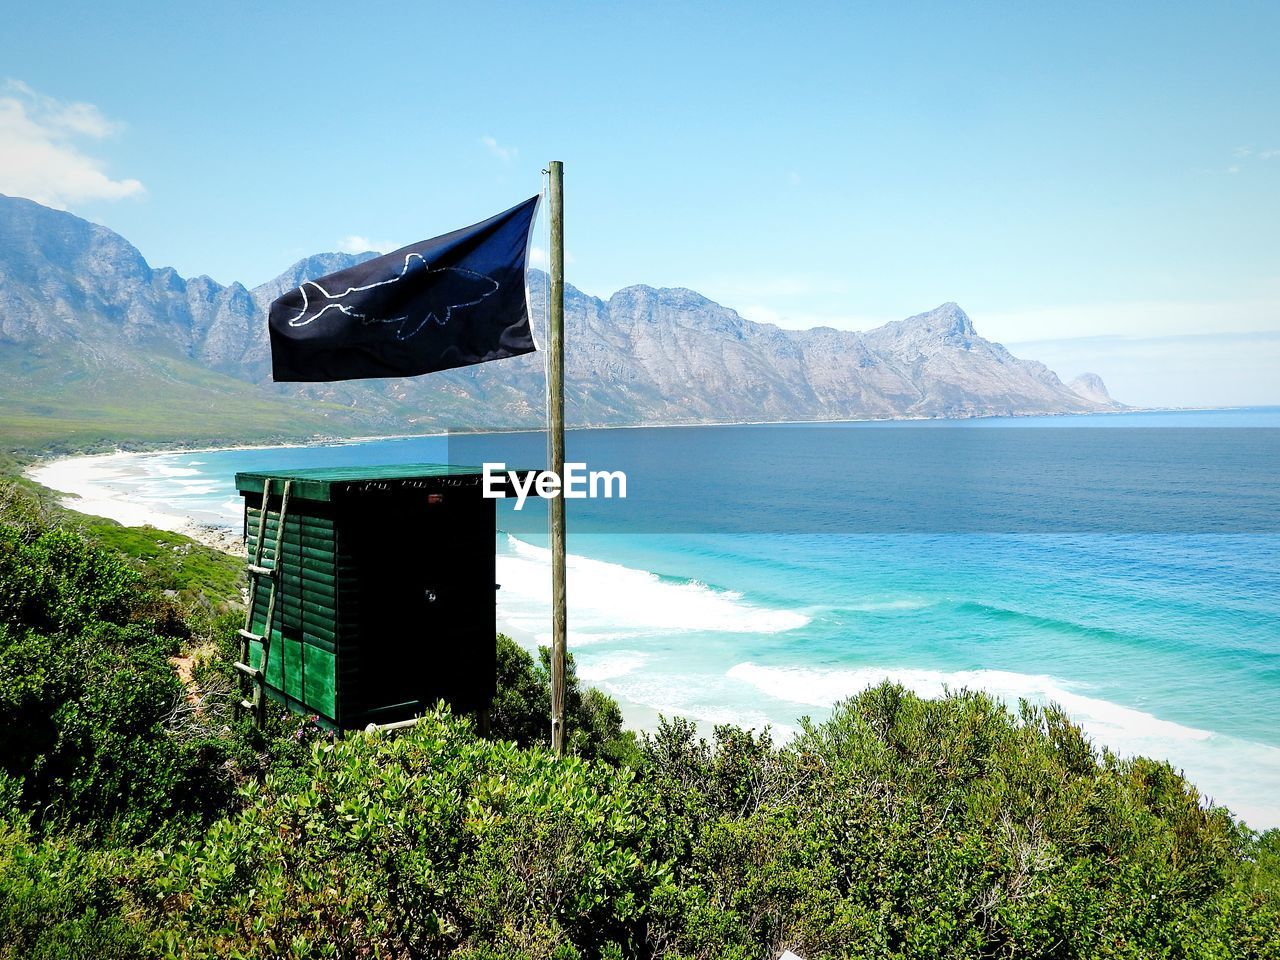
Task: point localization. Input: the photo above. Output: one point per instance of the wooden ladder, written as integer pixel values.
(256, 676)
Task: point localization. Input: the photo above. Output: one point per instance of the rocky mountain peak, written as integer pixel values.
(944, 327)
(646, 355)
(947, 320)
(953, 319)
(642, 295)
(40, 243)
(1091, 387)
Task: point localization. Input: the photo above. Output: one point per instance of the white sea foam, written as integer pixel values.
(706, 699)
(1241, 774)
(611, 666)
(610, 600)
(188, 488)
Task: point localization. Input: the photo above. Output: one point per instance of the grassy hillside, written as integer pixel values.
(60, 399)
(54, 399)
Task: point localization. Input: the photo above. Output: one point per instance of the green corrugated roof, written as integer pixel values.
(320, 483)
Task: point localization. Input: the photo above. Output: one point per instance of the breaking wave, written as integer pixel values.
(611, 601)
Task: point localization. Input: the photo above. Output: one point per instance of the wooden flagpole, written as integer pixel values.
(559, 613)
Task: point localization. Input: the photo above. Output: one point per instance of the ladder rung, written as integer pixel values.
(249, 635)
(246, 669)
(261, 571)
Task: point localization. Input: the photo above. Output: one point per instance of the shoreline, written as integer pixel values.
(101, 485)
(98, 484)
(133, 488)
(178, 446)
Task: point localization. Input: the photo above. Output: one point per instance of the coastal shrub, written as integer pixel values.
(54, 581)
(59, 901)
(21, 506)
(87, 730)
(522, 708)
(430, 843)
(207, 581)
(900, 827)
(947, 828)
(89, 700)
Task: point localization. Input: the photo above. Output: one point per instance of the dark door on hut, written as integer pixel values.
(426, 601)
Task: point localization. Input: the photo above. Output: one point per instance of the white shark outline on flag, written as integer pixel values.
(451, 301)
(409, 327)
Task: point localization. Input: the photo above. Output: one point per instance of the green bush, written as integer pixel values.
(522, 708)
(421, 844)
(901, 827)
(904, 827)
(59, 901)
(93, 719)
(55, 582)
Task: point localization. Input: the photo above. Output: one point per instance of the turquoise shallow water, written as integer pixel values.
(1158, 631)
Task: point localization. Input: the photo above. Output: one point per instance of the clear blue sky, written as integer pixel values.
(1060, 170)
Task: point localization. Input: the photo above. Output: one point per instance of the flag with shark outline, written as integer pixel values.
(449, 302)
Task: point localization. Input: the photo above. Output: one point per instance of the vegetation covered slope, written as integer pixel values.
(57, 398)
(142, 821)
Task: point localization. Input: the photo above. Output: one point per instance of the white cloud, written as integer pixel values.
(358, 244)
(40, 155)
(1249, 154)
(505, 154)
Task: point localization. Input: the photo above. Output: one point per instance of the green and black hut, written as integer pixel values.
(372, 592)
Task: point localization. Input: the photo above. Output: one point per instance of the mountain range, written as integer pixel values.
(97, 344)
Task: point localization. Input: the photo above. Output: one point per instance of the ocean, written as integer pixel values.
(1125, 566)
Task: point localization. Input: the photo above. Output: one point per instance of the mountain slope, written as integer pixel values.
(1091, 387)
(90, 333)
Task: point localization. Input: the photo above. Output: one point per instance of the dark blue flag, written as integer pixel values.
(449, 302)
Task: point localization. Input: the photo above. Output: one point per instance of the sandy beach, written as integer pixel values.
(111, 485)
